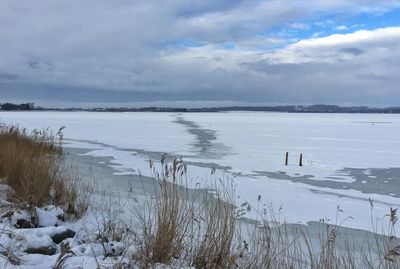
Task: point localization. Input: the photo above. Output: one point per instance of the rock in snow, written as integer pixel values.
(49, 216)
(62, 235)
(38, 242)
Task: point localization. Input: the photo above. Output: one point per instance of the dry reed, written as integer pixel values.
(202, 229)
(33, 166)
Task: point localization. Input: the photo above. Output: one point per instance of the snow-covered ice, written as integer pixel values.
(347, 158)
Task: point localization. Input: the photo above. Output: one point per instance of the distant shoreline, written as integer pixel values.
(287, 109)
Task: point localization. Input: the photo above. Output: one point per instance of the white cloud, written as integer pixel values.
(354, 67)
(341, 28)
(299, 26)
(378, 37)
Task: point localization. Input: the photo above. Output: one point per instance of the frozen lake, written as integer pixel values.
(347, 158)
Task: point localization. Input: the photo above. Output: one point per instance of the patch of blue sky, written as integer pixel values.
(228, 46)
(364, 21)
(294, 31)
(192, 43)
(185, 43)
(368, 21)
(333, 24)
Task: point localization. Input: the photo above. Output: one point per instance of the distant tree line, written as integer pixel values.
(11, 106)
(287, 108)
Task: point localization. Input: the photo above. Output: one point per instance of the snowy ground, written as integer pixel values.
(348, 158)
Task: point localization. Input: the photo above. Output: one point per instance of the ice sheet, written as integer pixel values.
(250, 149)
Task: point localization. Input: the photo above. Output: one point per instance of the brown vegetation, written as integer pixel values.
(202, 229)
(33, 166)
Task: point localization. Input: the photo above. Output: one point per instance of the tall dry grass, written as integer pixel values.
(275, 244)
(215, 237)
(202, 229)
(165, 219)
(182, 226)
(33, 166)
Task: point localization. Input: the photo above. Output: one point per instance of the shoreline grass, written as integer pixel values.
(218, 239)
(32, 165)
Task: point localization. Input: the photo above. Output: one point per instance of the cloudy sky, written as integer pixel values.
(193, 52)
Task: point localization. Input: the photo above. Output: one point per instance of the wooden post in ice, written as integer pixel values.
(301, 159)
(286, 158)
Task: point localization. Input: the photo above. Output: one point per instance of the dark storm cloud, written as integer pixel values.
(353, 51)
(8, 77)
(33, 64)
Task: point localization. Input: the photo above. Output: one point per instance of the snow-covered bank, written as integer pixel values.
(26, 246)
